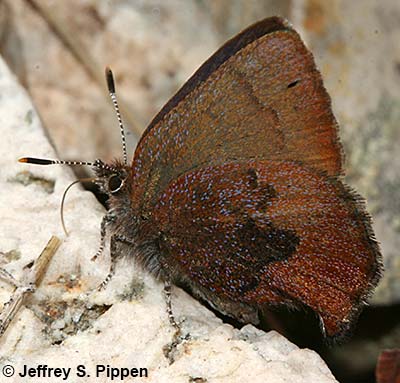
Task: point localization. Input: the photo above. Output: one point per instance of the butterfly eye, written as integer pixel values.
(115, 183)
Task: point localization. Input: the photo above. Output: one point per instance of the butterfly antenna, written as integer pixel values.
(111, 90)
(43, 161)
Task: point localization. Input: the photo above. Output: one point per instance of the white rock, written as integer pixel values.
(124, 333)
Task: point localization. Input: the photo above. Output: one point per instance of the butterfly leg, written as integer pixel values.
(115, 254)
(170, 348)
(168, 301)
(107, 220)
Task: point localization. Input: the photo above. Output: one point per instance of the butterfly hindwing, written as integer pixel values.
(269, 232)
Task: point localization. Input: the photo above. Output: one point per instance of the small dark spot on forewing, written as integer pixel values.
(293, 84)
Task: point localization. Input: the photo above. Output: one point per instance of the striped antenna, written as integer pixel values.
(43, 161)
(111, 90)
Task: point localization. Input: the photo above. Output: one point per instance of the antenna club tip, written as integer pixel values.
(36, 161)
(110, 79)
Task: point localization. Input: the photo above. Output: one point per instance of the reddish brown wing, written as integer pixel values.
(259, 97)
(272, 232)
(388, 367)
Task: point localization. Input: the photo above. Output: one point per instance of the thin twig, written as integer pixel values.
(30, 282)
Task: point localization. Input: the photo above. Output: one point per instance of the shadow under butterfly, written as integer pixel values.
(235, 188)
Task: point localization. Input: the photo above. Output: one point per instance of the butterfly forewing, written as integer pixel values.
(262, 99)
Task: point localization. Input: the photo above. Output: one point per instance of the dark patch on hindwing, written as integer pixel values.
(268, 244)
(237, 246)
(259, 247)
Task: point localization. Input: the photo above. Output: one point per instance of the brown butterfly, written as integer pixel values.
(235, 188)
